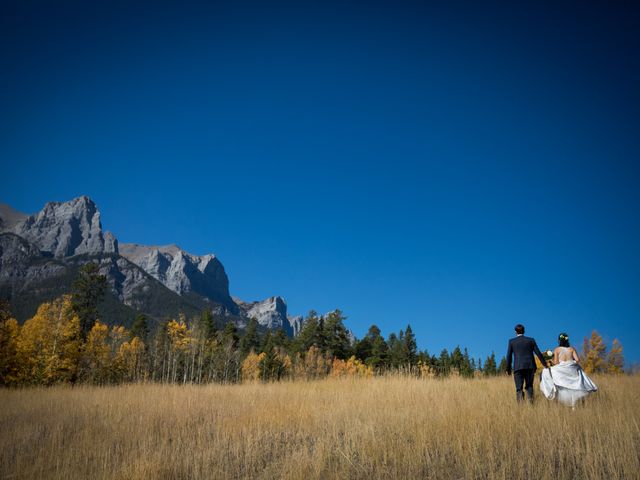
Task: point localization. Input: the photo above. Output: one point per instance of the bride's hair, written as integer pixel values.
(563, 340)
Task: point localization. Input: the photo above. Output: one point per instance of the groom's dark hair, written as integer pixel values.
(519, 329)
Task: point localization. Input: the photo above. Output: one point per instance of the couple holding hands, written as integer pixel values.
(564, 379)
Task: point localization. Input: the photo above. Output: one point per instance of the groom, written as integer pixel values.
(524, 365)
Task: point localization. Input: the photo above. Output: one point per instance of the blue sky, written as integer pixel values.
(458, 167)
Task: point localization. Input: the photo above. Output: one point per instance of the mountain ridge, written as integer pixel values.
(45, 247)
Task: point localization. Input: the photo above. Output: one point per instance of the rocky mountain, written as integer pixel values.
(182, 272)
(66, 229)
(41, 253)
(270, 313)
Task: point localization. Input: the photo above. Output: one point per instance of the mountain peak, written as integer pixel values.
(65, 229)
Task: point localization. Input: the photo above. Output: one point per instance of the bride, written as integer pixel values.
(566, 380)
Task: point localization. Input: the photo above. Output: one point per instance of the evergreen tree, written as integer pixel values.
(9, 364)
(444, 363)
(457, 359)
(410, 347)
(362, 349)
(230, 333)
(308, 334)
(140, 328)
(490, 368)
(397, 357)
(267, 342)
(87, 292)
(251, 338)
(379, 356)
(336, 337)
(502, 368)
(271, 365)
(281, 339)
(467, 366)
(207, 323)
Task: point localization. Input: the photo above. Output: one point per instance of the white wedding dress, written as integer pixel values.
(567, 382)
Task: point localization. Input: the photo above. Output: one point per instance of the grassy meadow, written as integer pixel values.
(384, 427)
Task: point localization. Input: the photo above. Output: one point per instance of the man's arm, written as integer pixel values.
(539, 354)
(509, 354)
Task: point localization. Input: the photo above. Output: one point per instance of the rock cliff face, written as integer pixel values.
(296, 324)
(270, 313)
(182, 272)
(41, 253)
(66, 229)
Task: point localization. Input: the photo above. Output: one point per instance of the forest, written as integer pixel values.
(66, 342)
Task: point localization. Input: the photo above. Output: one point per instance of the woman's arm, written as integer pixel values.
(575, 355)
(555, 356)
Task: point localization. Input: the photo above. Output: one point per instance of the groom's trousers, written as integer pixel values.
(524, 376)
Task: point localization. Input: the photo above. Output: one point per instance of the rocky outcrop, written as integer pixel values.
(296, 324)
(182, 272)
(66, 229)
(22, 266)
(270, 313)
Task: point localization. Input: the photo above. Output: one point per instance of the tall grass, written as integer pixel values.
(390, 427)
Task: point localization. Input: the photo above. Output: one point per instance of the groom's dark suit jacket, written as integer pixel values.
(522, 349)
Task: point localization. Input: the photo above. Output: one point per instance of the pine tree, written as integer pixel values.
(230, 333)
(379, 355)
(615, 359)
(207, 323)
(336, 336)
(444, 363)
(457, 359)
(308, 334)
(9, 366)
(140, 328)
(502, 368)
(490, 368)
(410, 347)
(251, 338)
(87, 292)
(468, 365)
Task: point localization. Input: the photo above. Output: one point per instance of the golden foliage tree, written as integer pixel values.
(251, 366)
(595, 352)
(129, 362)
(350, 368)
(9, 366)
(49, 345)
(615, 359)
(314, 364)
(179, 343)
(96, 358)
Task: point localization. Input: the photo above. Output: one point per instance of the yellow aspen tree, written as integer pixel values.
(338, 368)
(129, 361)
(595, 361)
(97, 355)
(615, 359)
(179, 341)
(287, 363)
(9, 331)
(316, 363)
(49, 344)
(251, 367)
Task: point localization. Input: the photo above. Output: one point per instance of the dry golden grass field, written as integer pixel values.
(390, 427)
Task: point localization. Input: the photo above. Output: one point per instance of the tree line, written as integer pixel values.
(66, 342)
